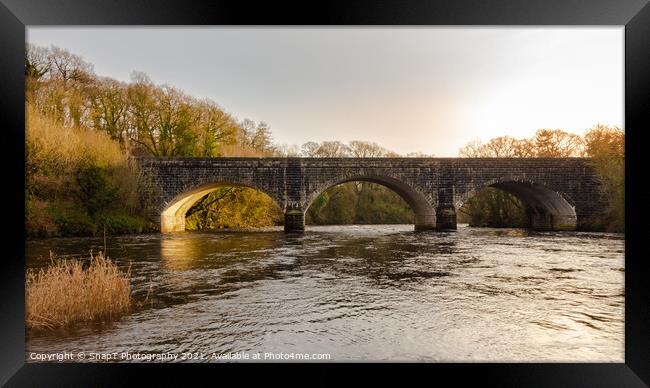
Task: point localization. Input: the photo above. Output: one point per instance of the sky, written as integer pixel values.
(410, 89)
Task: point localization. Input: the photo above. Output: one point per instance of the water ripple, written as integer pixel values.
(379, 292)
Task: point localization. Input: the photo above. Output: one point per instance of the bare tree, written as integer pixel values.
(109, 108)
(309, 149)
(333, 149)
(366, 149)
(556, 143)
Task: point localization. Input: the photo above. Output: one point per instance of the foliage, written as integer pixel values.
(359, 203)
(494, 208)
(94, 190)
(72, 176)
(606, 145)
(144, 118)
(233, 207)
(547, 143)
(336, 149)
(121, 223)
(71, 221)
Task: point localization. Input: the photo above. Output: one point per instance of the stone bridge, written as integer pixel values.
(559, 193)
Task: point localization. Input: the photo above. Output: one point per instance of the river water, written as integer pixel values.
(359, 293)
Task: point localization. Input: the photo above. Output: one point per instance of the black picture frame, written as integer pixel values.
(15, 15)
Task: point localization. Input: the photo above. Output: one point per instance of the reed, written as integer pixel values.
(68, 292)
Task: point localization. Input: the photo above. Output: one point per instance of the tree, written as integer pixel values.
(257, 136)
(500, 147)
(606, 145)
(96, 192)
(286, 150)
(109, 108)
(75, 77)
(68, 67)
(415, 155)
(366, 149)
(262, 139)
(604, 141)
(332, 149)
(556, 143)
(37, 65)
(309, 149)
(175, 122)
(57, 83)
(524, 148)
(471, 149)
(142, 118)
(215, 128)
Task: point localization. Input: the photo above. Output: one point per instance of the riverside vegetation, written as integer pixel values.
(68, 292)
(82, 128)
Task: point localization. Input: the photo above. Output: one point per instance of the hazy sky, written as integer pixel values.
(424, 89)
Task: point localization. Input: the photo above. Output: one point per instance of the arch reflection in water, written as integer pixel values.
(205, 250)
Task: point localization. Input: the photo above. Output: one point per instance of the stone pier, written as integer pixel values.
(559, 193)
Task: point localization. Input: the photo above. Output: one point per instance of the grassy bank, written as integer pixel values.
(77, 182)
(68, 292)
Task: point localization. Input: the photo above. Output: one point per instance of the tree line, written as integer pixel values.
(146, 119)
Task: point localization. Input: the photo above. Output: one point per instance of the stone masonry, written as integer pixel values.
(559, 193)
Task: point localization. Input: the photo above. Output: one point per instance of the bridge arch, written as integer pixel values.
(425, 217)
(548, 209)
(172, 216)
(558, 190)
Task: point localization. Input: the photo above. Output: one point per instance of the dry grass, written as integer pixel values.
(63, 146)
(66, 293)
(57, 151)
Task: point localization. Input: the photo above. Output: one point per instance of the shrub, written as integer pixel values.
(96, 191)
(122, 224)
(38, 219)
(74, 222)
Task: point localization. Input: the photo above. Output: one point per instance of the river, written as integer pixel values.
(359, 293)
